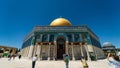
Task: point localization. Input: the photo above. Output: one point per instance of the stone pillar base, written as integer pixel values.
(48, 58)
(73, 58)
(54, 58)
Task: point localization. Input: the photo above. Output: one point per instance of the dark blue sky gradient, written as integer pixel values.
(18, 17)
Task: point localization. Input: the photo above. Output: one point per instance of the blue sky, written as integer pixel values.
(18, 17)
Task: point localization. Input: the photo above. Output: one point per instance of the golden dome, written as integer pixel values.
(60, 22)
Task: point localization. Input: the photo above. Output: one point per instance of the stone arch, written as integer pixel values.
(61, 43)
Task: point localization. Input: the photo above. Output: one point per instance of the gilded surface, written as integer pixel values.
(60, 22)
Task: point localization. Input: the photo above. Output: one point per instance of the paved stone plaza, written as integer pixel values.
(26, 63)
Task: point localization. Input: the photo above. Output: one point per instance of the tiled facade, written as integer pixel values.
(51, 42)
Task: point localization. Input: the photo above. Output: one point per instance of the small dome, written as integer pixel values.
(107, 44)
(60, 22)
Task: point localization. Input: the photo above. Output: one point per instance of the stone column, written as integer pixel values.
(48, 47)
(20, 51)
(55, 51)
(27, 51)
(23, 52)
(30, 51)
(95, 52)
(38, 51)
(81, 46)
(40, 54)
(66, 47)
(88, 55)
(33, 44)
(34, 50)
(41, 51)
(49, 51)
(73, 57)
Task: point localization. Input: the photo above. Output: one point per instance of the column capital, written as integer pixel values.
(83, 43)
(49, 43)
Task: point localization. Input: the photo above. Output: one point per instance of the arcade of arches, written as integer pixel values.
(51, 42)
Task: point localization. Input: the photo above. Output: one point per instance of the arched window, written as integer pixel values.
(69, 37)
(51, 38)
(44, 38)
(84, 36)
(76, 37)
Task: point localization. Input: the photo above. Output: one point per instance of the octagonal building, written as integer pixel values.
(61, 37)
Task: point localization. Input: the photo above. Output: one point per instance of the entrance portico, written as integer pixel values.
(60, 47)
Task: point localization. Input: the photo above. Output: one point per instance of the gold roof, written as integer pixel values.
(60, 22)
